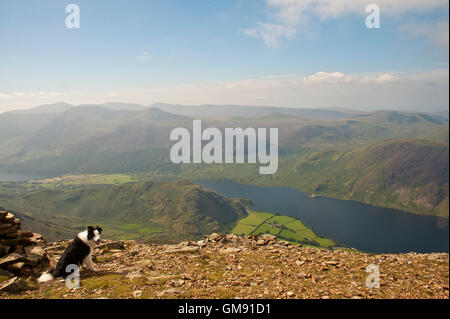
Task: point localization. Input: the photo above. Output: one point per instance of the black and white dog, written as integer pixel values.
(79, 252)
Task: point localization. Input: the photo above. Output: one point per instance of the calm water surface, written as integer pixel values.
(365, 227)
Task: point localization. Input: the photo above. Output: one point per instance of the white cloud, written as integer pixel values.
(19, 100)
(292, 11)
(330, 78)
(382, 78)
(289, 16)
(426, 90)
(271, 33)
(436, 32)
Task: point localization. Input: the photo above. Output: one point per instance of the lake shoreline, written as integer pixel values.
(351, 223)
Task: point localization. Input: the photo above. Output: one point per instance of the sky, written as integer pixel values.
(292, 53)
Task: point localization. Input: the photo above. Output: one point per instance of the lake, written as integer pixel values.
(352, 224)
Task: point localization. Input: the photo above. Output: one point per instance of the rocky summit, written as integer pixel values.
(230, 266)
(21, 254)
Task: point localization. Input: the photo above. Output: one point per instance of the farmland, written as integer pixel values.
(284, 227)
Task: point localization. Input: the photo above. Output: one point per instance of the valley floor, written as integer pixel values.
(230, 266)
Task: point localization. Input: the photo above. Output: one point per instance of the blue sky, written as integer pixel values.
(299, 53)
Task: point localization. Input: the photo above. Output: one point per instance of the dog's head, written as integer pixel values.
(93, 234)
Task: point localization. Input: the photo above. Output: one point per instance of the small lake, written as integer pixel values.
(353, 224)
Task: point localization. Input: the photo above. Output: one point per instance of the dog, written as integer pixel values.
(79, 252)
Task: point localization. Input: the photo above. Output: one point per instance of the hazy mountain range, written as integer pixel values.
(389, 158)
(199, 111)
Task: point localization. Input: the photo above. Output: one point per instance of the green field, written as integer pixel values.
(284, 227)
(85, 179)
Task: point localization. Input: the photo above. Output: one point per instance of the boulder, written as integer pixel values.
(268, 237)
(10, 259)
(9, 218)
(34, 240)
(16, 267)
(260, 242)
(4, 250)
(9, 241)
(4, 227)
(26, 234)
(15, 284)
(3, 214)
(12, 234)
(215, 237)
(34, 254)
(112, 245)
(232, 238)
(181, 250)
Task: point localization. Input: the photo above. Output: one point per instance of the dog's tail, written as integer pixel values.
(46, 276)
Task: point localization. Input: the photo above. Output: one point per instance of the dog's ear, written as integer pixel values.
(99, 229)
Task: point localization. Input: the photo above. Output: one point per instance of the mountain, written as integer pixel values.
(96, 139)
(405, 174)
(123, 106)
(439, 134)
(165, 209)
(58, 107)
(86, 138)
(216, 111)
(201, 111)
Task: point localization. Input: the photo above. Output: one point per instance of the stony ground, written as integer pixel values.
(235, 267)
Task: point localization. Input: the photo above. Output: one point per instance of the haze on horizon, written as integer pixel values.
(290, 53)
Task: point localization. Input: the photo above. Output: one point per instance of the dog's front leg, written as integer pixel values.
(88, 263)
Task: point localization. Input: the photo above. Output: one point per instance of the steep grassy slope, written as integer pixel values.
(167, 209)
(411, 175)
(439, 134)
(406, 174)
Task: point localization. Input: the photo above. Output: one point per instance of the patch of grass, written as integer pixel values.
(282, 220)
(242, 229)
(3, 278)
(253, 219)
(78, 180)
(284, 227)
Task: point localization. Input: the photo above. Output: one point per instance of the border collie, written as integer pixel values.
(79, 252)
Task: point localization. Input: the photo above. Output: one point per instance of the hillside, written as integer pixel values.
(406, 174)
(200, 111)
(234, 267)
(157, 210)
(115, 138)
(411, 175)
(330, 152)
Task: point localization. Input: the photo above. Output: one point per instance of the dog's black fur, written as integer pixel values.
(75, 253)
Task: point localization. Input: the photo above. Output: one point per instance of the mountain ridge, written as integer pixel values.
(164, 209)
